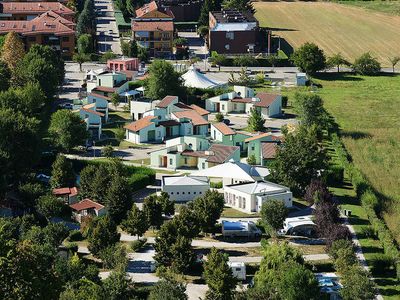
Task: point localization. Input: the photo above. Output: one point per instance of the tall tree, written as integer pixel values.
(167, 205)
(83, 289)
(208, 210)
(208, 5)
(62, 174)
(299, 160)
(85, 44)
(366, 64)
(80, 58)
(153, 211)
(13, 50)
(49, 206)
(118, 286)
(240, 5)
(337, 60)
(309, 58)
(5, 76)
(168, 290)
(163, 80)
(67, 130)
(274, 213)
(102, 234)
(394, 61)
(310, 110)
(136, 222)
(187, 222)
(255, 120)
(357, 285)
(118, 199)
(218, 276)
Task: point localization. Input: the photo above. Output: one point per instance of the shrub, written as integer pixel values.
(369, 199)
(219, 117)
(216, 185)
(107, 151)
(113, 256)
(75, 235)
(366, 65)
(334, 174)
(138, 181)
(138, 244)
(368, 232)
(72, 247)
(285, 101)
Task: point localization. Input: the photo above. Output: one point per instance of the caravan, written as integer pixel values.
(238, 270)
(299, 226)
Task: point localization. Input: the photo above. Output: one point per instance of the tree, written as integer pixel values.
(107, 151)
(163, 80)
(208, 5)
(299, 160)
(255, 120)
(342, 252)
(80, 58)
(67, 130)
(240, 5)
(251, 160)
(244, 61)
(102, 234)
(136, 222)
(13, 50)
(153, 211)
(337, 60)
(326, 214)
(357, 285)
(5, 76)
(49, 206)
(62, 174)
(317, 191)
(143, 54)
(310, 110)
(85, 44)
(203, 30)
(107, 56)
(366, 65)
(274, 213)
(186, 222)
(83, 289)
(208, 210)
(219, 117)
(219, 60)
(120, 134)
(167, 205)
(272, 59)
(114, 256)
(218, 276)
(118, 286)
(172, 249)
(168, 290)
(394, 61)
(309, 58)
(115, 99)
(129, 49)
(118, 199)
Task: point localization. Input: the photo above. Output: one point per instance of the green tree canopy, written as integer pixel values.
(67, 130)
(218, 276)
(102, 234)
(5, 76)
(298, 160)
(49, 206)
(366, 64)
(167, 205)
(118, 199)
(255, 120)
(309, 58)
(118, 286)
(337, 60)
(310, 110)
(240, 5)
(136, 222)
(357, 285)
(168, 290)
(85, 44)
(163, 80)
(84, 289)
(273, 213)
(62, 174)
(153, 211)
(13, 50)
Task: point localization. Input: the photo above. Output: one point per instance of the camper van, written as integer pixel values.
(238, 270)
(240, 229)
(299, 226)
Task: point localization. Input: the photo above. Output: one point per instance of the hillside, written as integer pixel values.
(333, 27)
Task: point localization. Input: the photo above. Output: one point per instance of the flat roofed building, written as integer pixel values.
(184, 188)
(249, 197)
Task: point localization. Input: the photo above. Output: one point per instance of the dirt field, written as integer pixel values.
(333, 27)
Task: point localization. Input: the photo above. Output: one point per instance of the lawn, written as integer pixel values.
(389, 7)
(230, 212)
(333, 27)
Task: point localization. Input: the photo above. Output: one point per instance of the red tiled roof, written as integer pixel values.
(242, 100)
(259, 136)
(32, 8)
(268, 150)
(221, 153)
(201, 111)
(140, 124)
(148, 7)
(194, 153)
(104, 89)
(86, 204)
(192, 115)
(182, 105)
(65, 191)
(90, 109)
(169, 123)
(152, 26)
(166, 101)
(266, 99)
(39, 25)
(52, 16)
(223, 128)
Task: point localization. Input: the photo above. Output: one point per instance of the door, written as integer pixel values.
(164, 161)
(151, 135)
(168, 131)
(217, 105)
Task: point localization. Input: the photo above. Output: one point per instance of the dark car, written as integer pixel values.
(226, 121)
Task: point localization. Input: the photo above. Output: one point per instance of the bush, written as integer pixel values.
(75, 235)
(139, 181)
(219, 117)
(381, 264)
(113, 256)
(107, 151)
(216, 185)
(368, 232)
(71, 247)
(136, 84)
(138, 244)
(366, 65)
(335, 174)
(285, 101)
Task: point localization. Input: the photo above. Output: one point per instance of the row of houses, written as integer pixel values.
(45, 23)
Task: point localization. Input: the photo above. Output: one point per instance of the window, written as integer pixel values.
(189, 130)
(235, 106)
(171, 193)
(252, 148)
(159, 133)
(203, 165)
(65, 39)
(230, 35)
(227, 47)
(170, 161)
(183, 193)
(200, 192)
(223, 106)
(186, 161)
(177, 193)
(190, 146)
(194, 193)
(188, 193)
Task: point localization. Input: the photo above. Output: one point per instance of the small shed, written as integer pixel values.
(301, 79)
(87, 208)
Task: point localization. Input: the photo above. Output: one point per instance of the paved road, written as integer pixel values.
(106, 27)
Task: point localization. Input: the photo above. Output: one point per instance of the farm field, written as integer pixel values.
(333, 27)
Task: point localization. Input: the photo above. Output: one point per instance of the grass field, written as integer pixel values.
(389, 7)
(333, 27)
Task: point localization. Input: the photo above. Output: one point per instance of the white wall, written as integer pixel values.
(182, 193)
(275, 108)
(139, 107)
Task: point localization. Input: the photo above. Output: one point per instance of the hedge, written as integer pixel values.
(370, 203)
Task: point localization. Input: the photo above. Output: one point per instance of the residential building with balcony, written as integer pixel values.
(95, 114)
(106, 83)
(153, 29)
(47, 29)
(26, 11)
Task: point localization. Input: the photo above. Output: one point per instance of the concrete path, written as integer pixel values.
(106, 27)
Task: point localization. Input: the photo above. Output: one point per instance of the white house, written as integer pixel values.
(249, 197)
(87, 208)
(184, 188)
(222, 133)
(140, 106)
(107, 83)
(93, 120)
(243, 99)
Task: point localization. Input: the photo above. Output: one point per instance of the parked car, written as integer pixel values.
(226, 121)
(66, 106)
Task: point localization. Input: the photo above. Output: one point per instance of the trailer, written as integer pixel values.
(238, 270)
(299, 226)
(247, 229)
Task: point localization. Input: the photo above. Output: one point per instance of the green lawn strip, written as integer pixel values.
(144, 161)
(389, 7)
(230, 212)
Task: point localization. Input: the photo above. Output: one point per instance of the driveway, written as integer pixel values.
(106, 27)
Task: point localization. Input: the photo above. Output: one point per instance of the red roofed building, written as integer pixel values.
(26, 11)
(87, 208)
(153, 29)
(47, 29)
(69, 195)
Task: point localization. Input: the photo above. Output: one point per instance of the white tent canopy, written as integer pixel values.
(193, 78)
(129, 93)
(235, 170)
